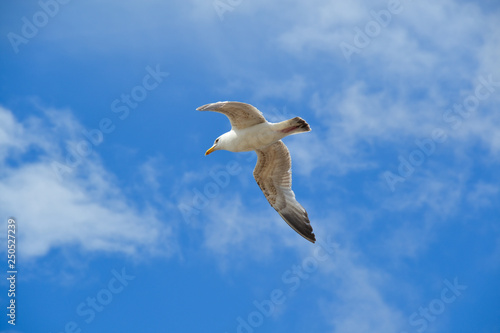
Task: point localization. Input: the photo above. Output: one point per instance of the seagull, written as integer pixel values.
(251, 131)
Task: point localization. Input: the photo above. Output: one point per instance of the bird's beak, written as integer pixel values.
(210, 150)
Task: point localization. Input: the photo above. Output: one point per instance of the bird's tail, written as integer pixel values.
(293, 126)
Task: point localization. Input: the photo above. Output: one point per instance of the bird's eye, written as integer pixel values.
(216, 140)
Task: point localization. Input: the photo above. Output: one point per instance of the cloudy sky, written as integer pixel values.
(123, 225)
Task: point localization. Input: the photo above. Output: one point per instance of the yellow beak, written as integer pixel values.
(210, 150)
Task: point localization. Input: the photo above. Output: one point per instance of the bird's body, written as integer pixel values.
(254, 137)
(247, 139)
(251, 131)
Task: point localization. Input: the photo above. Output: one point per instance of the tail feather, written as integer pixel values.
(294, 126)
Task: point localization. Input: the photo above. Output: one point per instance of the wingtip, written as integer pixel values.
(309, 236)
(312, 239)
(211, 106)
(202, 108)
(303, 229)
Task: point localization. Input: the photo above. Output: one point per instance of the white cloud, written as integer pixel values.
(11, 134)
(356, 295)
(323, 25)
(401, 85)
(428, 58)
(85, 208)
(231, 228)
(289, 89)
(439, 191)
(396, 91)
(483, 195)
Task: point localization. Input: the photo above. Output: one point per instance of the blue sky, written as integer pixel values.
(123, 225)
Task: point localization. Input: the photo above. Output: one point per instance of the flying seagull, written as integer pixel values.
(251, 131)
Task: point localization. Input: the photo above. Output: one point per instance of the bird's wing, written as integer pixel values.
(274, 177)
(241, 115)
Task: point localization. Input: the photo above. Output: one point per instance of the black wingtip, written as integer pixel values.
(303, 229)
(309, 236)
(312, 239)
(302, 124)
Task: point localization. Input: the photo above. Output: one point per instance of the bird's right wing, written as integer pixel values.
(241, 115)
(274, 177)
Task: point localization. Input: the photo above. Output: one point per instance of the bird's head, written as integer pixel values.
(217, 146)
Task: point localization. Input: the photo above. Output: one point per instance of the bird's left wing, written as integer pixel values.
(274, 177)
(241, 115)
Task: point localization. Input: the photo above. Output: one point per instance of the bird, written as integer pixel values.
(251, 131)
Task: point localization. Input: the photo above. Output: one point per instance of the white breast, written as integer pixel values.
(254, 137)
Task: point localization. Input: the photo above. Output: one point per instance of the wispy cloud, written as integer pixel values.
(395, 99)
(87, 209)
(395, 248)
